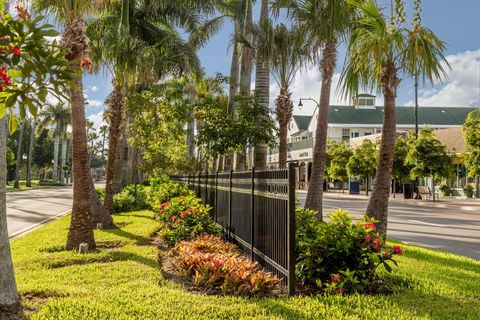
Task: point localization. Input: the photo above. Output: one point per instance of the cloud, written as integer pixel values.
(94, 88)
(97, 119)
(462, 85)
(94, 103)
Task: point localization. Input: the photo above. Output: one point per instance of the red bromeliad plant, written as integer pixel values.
(340, 255)
(184, 218)
(217, 266)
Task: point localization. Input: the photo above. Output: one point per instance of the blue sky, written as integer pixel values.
(455, 22)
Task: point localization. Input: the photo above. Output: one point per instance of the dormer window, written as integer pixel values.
(364, 101)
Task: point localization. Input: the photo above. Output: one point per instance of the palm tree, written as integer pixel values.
(16, 185)
(376, 52)
(30, 152)
(142, 40)
(262, 84)
(59, 116)
(103, 130)
(287, 55)
(75, 41)
(324, 24)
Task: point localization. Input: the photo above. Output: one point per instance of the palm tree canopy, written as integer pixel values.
(374, 44)
(58, 115)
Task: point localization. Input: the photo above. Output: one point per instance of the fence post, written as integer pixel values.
(291, 229)
(205, 201)
(230, 204)
(252, 221)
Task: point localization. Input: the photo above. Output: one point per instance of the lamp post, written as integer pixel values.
(416, 106)
(300, 104)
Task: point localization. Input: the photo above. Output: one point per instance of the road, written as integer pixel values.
(29, 209)
(446, 229)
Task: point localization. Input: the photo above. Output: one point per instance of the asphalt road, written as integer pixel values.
(26, 210)
(446, 229)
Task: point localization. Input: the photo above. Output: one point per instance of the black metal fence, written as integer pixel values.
(256, 210)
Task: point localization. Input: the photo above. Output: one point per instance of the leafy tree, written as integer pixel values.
(377, 52)
(428, 157)
(362, 163)
(30, 68)
(400, 170)
(339, 153)
(471, 131)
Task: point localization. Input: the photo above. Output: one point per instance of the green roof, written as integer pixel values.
(302, 122)
(405, 115)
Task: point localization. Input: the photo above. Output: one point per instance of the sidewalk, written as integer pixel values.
(458, 203)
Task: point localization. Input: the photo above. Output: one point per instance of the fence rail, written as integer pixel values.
(256, 210)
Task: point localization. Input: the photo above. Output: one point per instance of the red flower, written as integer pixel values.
(369, 225)
(376, 248)
(6, 79)
(367, 239)
(375, 241)
(397, 250)
(16, 51)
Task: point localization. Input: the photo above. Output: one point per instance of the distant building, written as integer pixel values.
(361, 118)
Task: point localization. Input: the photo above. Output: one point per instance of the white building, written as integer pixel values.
(362, 118)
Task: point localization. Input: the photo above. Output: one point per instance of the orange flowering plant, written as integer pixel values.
(184, 218)
(340, 255)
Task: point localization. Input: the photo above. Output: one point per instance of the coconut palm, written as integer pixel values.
(58, 116)
(72, 13)
(30, 151)
(139, 41)
(287, 55)
(377, 52)
(323, 24)
(16, 185)
(103, 130)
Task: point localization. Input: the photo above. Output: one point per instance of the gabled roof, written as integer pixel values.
(405, 115)
(302, 122)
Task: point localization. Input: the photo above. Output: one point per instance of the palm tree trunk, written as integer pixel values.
(262, 87)
(56, 147)
(283, 112)
(233, 89)
(8, 292)
(315, 189)
(63, 157)
(80, 230)
(19, 157)
(190, 134)
(103, 144)
(378, 203)
(115, 116)
(99, 212)
(30, 154)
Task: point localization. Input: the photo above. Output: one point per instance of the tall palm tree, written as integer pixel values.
(139, 41)
(324, 24)
(262, 84)
(59, 116)
(16, 185)
(30, 151)
(377, 52)
(288, 53)
(103, 130)
(72, 13)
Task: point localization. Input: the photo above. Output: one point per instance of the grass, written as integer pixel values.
(123, 281)
(23, 187)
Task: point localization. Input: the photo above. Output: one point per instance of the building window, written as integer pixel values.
(355, 134)
(368, 133)
(345, 134)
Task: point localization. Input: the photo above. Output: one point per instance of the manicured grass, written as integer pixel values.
(124, 282)
(23, 187)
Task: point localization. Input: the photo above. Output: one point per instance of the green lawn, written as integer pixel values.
(123, 281)
(23, 187)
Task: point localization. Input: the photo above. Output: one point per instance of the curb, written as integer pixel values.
(37, 225)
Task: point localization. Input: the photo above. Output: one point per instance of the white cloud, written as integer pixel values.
(97, 119)
(94, 103)
(94, 88)
(462, 85)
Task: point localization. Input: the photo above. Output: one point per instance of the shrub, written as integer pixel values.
(339, 256)
(216, 265)
(51, 182)
(162, 190)
(184, 218)
(444, 189)
(468, 190)
(101, 193)
(132, 198)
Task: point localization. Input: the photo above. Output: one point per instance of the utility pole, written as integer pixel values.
(416, 106)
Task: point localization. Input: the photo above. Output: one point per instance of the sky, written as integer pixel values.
(456, 22)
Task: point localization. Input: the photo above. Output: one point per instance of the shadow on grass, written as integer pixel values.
(139, 240)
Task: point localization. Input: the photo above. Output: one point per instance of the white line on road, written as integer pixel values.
(35, 226)
(427, 223)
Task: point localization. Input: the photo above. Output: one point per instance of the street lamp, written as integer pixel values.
(300, 104)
